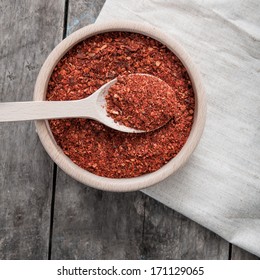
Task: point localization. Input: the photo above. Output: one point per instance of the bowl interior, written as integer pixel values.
(124, 184)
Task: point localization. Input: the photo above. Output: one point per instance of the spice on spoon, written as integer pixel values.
(141, 101)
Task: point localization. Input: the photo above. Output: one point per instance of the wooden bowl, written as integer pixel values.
(125, 184)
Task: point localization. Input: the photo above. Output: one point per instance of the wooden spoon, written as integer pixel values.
(92, 107)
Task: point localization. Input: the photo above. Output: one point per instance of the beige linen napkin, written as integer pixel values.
(220, 185)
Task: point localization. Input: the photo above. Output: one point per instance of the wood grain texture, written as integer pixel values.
(240, 254)
(91, 224)
(82, 13)
(169, 235)
(28, 31)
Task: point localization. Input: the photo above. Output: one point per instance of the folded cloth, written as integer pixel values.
(220, 185)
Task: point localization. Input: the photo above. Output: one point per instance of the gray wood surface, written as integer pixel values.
(27, 36)
(240, 254)
(170, 235)
(91, 224)
(41, 209)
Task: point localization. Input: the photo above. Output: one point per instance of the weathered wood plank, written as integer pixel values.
(170, 235)
(28, 31)
(91, 224)
(82, 13)
(240, 254)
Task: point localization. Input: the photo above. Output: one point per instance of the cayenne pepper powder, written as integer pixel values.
(140, 101)
(102, 150)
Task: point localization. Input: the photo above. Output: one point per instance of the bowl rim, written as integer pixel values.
(120, 184)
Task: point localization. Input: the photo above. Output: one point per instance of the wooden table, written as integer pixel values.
(45, 214)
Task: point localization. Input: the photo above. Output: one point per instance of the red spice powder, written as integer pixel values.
(97, 148)
(141, 101)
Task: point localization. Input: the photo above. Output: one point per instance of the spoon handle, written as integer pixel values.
(43, 110)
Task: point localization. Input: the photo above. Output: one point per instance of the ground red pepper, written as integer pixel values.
(140, 101)
(97, 148)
